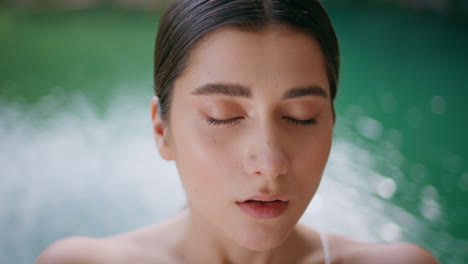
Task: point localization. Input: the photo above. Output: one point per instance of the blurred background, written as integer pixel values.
(77, 155)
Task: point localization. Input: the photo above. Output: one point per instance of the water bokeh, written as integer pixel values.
(77, 155)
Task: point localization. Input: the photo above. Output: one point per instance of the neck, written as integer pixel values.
(201, 243)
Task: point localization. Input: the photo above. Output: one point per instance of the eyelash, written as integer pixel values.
(308, 122)
(216, 122)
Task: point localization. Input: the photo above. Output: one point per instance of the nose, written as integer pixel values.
(265, 155)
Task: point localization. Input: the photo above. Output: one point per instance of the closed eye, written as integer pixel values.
(217, 122)
(307, 122)
(230, 121)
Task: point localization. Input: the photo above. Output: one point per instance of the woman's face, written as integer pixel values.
(270, 92)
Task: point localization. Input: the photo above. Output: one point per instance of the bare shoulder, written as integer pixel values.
(349, 251)
(404, 253)
(86, 250)
(150, 244)
(73, 250)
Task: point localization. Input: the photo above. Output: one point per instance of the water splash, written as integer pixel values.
(77, 172)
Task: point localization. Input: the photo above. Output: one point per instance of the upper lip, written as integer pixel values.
(266, 198)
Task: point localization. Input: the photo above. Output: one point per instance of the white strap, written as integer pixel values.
(326, 249)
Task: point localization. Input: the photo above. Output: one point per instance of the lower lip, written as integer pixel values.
(263, 210)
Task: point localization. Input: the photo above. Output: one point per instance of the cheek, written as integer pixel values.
(202, 159)
(311, 156)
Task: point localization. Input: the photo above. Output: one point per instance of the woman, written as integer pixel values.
(244, 106)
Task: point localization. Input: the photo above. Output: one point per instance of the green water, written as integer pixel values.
(401, 112)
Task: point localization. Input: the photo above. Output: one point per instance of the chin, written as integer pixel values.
(262, 238)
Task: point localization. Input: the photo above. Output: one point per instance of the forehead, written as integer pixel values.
(273, 59)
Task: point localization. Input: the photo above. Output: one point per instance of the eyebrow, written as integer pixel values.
(243, 91)
(311, 90)
(223, 89)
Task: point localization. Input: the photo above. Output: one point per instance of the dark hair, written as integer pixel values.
(186, 21)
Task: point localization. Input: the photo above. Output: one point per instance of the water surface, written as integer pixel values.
(77, 155)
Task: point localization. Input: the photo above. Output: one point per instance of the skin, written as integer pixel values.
(261, 152)
(262, 149)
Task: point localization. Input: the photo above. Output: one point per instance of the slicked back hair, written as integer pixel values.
(186, 21)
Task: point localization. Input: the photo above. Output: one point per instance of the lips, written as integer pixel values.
(264, 207)
(254, 201)
(266, 198)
